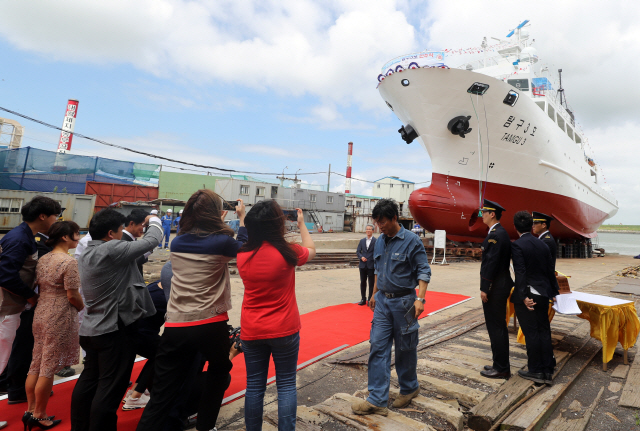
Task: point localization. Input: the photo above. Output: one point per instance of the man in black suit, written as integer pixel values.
(134, 229)
(367, 272)
(541, 225)
(535, 285)
(495, 287)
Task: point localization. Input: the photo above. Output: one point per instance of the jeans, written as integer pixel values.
(285, 358)
(389, 326)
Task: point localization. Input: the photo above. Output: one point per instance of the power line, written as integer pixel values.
(26, 117)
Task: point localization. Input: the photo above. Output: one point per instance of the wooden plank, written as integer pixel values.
(477, 364)
(631, 392)
(339, 408)
(484, 340)
(461, 372)
(566, 424)
(465, 395)
(620, 371)
(497, 403)
(483, 353)
(582, 330)
(436, 408)
(524, 415)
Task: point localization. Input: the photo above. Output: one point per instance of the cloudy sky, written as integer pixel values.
(267, 85)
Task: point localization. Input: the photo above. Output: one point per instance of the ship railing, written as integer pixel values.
(481, 64)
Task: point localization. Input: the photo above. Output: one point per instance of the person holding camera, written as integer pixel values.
(270, 320)
(196, 319)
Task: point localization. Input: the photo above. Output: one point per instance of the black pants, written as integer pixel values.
(177, 349)
(15, 374)
(104, 380)
(366, 274)
(537, 333)
(147, 346)
(183, 407)
(495, 315)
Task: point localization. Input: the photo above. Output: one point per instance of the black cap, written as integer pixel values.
(541, 218)
(492, 206)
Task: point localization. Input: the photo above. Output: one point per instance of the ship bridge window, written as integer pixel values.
(570, 131)
(551, 112)
(520, 84)
(594, 176)
(541, 104)
(578, 139)
(560, 121)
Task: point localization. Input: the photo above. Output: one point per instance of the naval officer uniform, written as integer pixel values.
(496, 283)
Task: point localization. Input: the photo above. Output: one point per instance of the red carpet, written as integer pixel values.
(323, 333)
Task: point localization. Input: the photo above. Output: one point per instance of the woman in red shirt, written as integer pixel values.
(270, 320)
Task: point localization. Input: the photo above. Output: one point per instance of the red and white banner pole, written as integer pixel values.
(69, 123)
(347, 184)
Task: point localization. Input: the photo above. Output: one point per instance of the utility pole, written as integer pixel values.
(329, 177)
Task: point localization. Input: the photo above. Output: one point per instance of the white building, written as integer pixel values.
(358, 210)
(398, 190)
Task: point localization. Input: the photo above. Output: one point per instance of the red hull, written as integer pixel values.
(451, 204)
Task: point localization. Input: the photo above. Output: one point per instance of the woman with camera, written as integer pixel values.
(196, 319)
(270, 320)
(55, 322)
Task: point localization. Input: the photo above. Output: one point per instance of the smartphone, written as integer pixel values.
(410, 315)
(230, 205)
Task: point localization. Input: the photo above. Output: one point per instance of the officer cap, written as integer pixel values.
(541, 218)
(492, 206)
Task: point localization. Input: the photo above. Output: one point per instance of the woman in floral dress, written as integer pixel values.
(55, 323)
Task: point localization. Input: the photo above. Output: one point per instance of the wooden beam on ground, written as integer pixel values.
(437, 408)
(524, 415)
(461, 372)
(497, 403)
(474, 362)
(537, 423)
(465, 395)
(339, 408)
(631, 392)
(566, 424)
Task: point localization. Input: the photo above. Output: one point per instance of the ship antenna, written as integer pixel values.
(563, 100)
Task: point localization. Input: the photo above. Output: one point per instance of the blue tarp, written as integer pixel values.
(541, 83)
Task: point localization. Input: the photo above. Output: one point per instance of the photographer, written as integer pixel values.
(197, 317)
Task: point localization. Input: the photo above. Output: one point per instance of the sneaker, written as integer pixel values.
(126, 397)
(364, 407)
(136, 403)
(404, 400)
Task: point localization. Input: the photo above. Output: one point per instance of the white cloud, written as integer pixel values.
(330, 49)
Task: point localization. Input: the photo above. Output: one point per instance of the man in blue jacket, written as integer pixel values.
(365, 257)
(401, 264)
(176, 222)
(167, 221)
(535, 285)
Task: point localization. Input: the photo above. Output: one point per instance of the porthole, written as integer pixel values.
(405, 82)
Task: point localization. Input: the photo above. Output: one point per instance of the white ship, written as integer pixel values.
(495, 128)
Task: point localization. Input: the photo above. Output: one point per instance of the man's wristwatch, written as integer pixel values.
(421, 300)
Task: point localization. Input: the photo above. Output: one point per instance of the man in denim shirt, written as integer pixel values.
(401, 264)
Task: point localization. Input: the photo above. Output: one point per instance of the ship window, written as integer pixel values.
(551, 112)
(541, 104)
(560, 122)
(520, 84)
(570, 131)
(578, 139)
(594, 176)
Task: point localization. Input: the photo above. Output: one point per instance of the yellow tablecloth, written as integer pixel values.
(610, 324)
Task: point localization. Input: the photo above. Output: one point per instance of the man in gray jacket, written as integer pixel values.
(115, 297)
